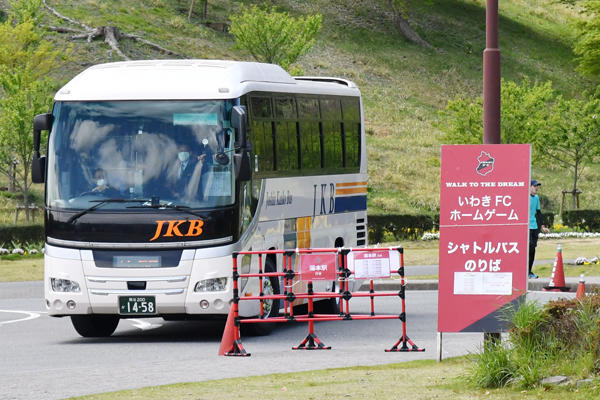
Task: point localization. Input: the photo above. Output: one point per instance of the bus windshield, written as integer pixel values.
(171, 153)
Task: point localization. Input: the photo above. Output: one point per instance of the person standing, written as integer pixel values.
(535, 223)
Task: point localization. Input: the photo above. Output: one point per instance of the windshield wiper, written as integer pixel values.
(101, 203)
(185, 209)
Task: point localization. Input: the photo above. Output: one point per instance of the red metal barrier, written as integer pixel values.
(367, 263)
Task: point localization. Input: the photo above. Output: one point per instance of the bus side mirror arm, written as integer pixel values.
(243, 170)
(41, 122)
(238, 122)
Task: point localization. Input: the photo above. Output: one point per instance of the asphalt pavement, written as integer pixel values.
(47, 360)
(175, 352)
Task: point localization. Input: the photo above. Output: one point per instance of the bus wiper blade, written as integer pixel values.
(169, 206)
(101, 202)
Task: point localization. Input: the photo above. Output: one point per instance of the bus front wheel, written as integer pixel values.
(95, 325)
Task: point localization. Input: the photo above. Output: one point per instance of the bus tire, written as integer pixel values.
(328, 306)
(95, 325)
(270, 286)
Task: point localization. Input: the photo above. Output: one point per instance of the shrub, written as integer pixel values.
(548, 218)
(561, 338)
(493, 367)
(587, 220)
(400, 226)
(21, 233)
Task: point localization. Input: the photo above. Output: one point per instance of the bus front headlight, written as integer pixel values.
(211, 285)
(64, 285)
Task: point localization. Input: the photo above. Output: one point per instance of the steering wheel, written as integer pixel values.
(88, 193)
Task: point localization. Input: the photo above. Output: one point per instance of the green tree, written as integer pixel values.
(572, 137)
(524, 112)
(25, 88)
(588, 40)
(274, 37)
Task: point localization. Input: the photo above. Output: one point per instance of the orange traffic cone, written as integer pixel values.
(581, 288)
(557, 280)
(231, 344)
(228, 334)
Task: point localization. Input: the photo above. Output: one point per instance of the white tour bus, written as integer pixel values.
(157, 171)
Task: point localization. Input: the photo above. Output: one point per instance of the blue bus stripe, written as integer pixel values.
(350, 203)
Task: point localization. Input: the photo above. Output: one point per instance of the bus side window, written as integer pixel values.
(332, 133)
(261, 132)
(310, 142)
(351, 114)
(286, 136)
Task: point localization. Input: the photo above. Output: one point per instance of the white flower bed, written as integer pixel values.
(430, 236)
(567, 235)
(558, 235)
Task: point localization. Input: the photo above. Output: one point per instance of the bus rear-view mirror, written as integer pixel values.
(238, 122)
(41, 122)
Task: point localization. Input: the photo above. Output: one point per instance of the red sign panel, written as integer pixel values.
(318, 267)
(484, 219)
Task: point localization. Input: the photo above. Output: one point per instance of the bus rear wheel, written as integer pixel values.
(270, 307)
(95, 325)
(328, 306)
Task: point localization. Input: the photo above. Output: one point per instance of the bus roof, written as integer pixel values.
(191, 80)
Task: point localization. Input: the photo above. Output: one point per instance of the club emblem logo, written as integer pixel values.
(486, 164)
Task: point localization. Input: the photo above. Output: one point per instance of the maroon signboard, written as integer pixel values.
(484, 228)
(318, 267)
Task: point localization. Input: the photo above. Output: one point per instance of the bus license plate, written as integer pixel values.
(137, 305)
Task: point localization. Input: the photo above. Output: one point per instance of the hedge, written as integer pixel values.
(414, 226)
(21, 233)
(587, 220)
(401, 226)
(548, 219)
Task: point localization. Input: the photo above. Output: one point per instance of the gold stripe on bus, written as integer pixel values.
(303, 225)
(364, 183)
(351, 190)
(303, 232)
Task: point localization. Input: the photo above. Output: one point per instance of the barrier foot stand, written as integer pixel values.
(237, 350)
(405, 340)
(311, 342)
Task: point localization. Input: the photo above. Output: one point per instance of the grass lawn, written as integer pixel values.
(414, 380)
(545, 270)
(21, 268)
(426, 253)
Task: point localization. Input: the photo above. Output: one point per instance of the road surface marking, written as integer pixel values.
(30, 315)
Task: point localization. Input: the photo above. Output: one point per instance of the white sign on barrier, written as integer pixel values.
(373, 264)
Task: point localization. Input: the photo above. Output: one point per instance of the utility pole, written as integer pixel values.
(491, 113)
(491, 76)
(491, 95)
